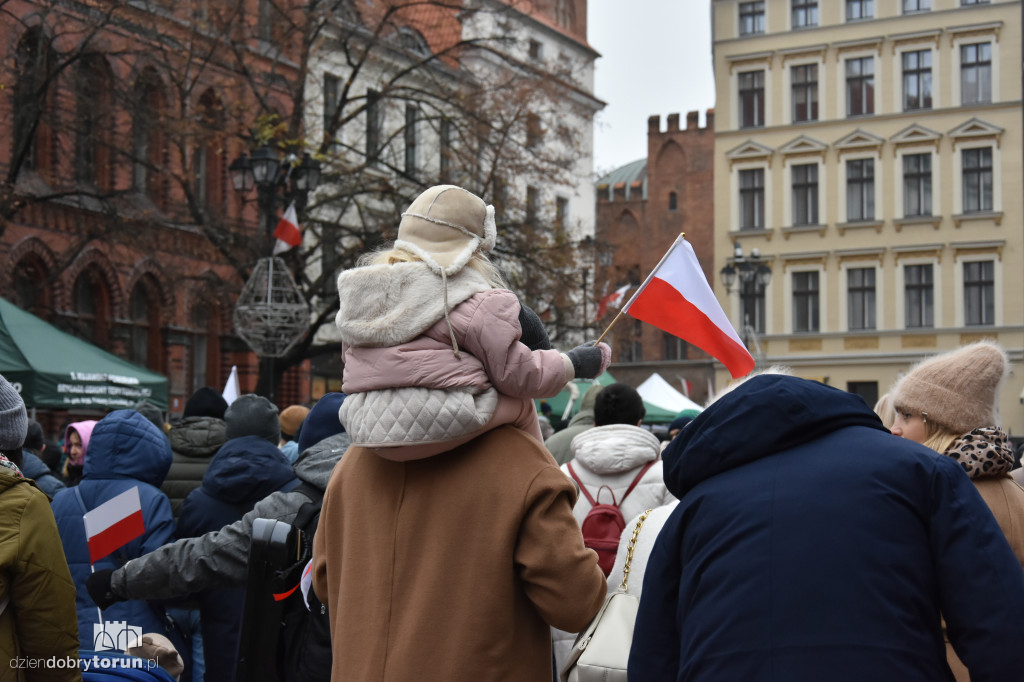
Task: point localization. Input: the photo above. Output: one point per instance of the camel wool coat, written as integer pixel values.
(451, 568)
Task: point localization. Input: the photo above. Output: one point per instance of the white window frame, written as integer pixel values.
(901, 297)
(787, 87)
(897, 76)
(960, 41)
(734, 92)
(936, 181)
(844, 299)
(878, 184)
(787, 199)
(736, 20)
(997, 278)
(822, 298)
(840, 79)
(734, 218)
(958, 173)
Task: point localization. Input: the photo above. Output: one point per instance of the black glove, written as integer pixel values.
(98, 585)
(590, 360)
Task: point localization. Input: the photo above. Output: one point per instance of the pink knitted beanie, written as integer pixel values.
(958, 389)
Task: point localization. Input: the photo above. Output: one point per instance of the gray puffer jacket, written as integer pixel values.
(220, 557)
(194, 441)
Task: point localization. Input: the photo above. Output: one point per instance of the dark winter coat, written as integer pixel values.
(194, 441)
(34, 468)
(125, 451)
(243, 472)
(810, 544)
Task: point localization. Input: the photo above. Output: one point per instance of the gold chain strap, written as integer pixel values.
(629, 549)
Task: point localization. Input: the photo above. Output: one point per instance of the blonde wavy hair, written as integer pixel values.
(937, 436)
(479, 262)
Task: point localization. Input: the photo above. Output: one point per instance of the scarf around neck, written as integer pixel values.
(984, 452)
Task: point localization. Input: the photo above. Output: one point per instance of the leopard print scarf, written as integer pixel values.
(983, 452)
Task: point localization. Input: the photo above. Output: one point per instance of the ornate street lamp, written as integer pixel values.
(752, 275)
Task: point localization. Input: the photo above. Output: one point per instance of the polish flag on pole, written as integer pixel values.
(613, 299)
(677, 298)
(287, 231)
(114, 524)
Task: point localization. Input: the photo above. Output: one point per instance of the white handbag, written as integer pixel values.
(601, 651)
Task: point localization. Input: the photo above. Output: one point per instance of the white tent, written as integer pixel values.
(657, 391)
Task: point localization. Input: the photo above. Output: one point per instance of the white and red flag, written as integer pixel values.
(677, 298)
(613, 300)
(114, 524)
(287, 231)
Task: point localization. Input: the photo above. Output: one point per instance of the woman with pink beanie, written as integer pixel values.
(76, 443)
(949, 402)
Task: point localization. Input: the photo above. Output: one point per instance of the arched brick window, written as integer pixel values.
(31, 288)
(211, 153)
(148, 143)
(90, 305)
(146, 339)
(33, 138)
(93, 160)
(205, 345)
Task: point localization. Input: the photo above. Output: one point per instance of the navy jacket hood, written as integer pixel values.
(246, 469)
(767, 414)
(124, 444)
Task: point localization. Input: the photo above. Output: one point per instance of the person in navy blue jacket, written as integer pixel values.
(244, 471)
(809, 544)
(125, 451)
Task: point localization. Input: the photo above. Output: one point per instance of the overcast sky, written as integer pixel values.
(655, 59)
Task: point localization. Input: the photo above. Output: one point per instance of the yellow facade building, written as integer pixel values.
(868, 153)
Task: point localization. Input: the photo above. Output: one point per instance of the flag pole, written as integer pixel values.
(643, 286)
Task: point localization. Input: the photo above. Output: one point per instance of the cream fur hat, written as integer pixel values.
(958, 389)
(445, 226)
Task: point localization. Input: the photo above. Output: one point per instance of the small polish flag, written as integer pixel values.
(613, 300)
(114, 524)
(287, 231)
(677, 298)
(306, 582)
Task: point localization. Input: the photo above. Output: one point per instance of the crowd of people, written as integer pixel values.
(790, 531)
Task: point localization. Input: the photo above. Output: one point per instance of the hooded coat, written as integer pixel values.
(810, 544)
(194, 442)
(73, 468)
(125, 451)
(39, 619)
(452, 567)
(244, 471)
(36, 469)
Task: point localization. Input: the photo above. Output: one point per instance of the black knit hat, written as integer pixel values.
(206, 402)
(152, 413)
(253, 415)
(34, 436)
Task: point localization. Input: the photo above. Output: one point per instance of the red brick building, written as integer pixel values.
(118, 222)
(641, 208)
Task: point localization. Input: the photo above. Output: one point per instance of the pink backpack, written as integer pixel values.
(603, 524)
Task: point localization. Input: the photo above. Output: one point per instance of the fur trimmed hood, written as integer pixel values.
(387, 305)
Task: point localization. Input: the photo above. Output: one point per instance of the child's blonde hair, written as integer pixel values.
(479, 262)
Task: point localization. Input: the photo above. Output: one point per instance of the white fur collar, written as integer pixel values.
(385, 305)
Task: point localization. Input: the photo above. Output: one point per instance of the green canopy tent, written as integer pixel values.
(54, 369)
(654, 415)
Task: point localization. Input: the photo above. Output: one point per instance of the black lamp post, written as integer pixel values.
(753, 275)
(263, 169)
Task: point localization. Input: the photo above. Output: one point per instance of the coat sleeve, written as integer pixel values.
(320, 550)
(493, 338)
(218, 558)
(42, 591)
(981, 585)
(561, 577)
(654, 654)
